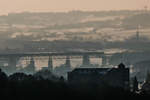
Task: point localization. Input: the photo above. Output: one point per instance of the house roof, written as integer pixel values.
(92, 70)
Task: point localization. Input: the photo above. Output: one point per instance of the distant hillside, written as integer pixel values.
(103, 28)
(49, 18)
(141, 19)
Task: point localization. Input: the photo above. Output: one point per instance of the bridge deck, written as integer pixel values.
(51, 54)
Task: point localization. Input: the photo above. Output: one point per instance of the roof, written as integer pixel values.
(92, 70)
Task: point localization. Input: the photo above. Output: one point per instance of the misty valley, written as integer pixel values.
(75, 54)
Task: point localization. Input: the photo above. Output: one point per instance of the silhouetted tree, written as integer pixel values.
(18, 77)
(46, 75)
(135, 84)
(148, 77)
(62, 79)
(3, 78)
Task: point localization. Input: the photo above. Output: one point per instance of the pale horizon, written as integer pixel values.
(7, 6)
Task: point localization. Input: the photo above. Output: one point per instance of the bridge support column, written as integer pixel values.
(31, 67)
(50, 63)
(86, 60)
(104, 60)
(68, 63)
(12, 62)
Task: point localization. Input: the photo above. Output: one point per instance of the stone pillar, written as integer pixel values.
(31, 67)
(104, 60)
(50, 63)
(32, 62)
(12, 62)
(86, 60)
(68, 63)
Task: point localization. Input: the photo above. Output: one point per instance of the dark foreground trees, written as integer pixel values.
(20, 86)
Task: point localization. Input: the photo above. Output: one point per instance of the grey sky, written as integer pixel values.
(67, 5)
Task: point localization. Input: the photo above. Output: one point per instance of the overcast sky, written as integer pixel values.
(67, 5)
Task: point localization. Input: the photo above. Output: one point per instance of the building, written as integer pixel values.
(114, 77)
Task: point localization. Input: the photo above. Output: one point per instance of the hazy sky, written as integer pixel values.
(65, 5)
